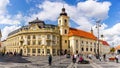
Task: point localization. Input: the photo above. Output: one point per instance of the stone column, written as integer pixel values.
(36, 51)
(30, 51)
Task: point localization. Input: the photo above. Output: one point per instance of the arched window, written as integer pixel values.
(59, 21)
(82, 49)
(65, 21)
(86, 49)
(91, 49)
(65, 31)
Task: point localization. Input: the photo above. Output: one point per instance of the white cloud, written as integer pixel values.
(82, 13)
(7, 19)
(6, 30)
(3, 4)
(113, 34)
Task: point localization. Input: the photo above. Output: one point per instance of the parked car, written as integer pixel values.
(84, 62)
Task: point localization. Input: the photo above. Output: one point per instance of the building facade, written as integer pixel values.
(38, 38)
(0, 41)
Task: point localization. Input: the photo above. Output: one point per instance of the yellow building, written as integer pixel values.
(0, 41)
(105, 48)
(38, 38)
(0, 35)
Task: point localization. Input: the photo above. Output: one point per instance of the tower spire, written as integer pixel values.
(63, 11)
(91, 30)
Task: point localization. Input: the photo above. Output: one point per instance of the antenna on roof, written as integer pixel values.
(91, 30)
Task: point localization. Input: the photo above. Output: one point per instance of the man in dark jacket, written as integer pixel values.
(50, 59)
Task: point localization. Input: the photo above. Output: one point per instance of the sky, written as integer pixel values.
(83, 15)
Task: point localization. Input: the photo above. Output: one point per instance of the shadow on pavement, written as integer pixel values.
(14, 59)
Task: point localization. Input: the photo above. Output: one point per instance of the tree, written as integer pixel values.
(112, 49)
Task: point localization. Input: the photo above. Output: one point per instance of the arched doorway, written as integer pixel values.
(76, 51)
(65, 52)
(21, 52)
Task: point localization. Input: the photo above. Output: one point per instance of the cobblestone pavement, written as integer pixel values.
(105, 64)
(58, 62)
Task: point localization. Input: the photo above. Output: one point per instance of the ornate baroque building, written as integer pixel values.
(38, 38)
(0, 37)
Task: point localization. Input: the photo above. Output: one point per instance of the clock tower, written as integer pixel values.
(63, 24)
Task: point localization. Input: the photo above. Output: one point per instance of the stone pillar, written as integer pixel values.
(30, 51)
(26, 51)
(45, 50)
(51, 51)
(36, 52)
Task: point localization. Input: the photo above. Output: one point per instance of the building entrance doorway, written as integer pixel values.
(21, 52)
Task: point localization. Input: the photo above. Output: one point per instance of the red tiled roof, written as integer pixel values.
(105, 43)
(117, 47)
(81, 33)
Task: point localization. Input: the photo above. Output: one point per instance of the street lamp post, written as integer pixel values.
(97, 26)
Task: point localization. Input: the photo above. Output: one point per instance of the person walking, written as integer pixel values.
(73, 58)
(50, 59)
(104, 57)
(116, 57)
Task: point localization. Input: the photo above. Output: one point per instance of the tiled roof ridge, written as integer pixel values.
(81, 30)
(104, 42)
(82, 33)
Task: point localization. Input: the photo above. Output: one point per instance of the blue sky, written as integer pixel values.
(83, 15)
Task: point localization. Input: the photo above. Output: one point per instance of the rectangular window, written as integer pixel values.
(28, 37)
(34, 42)
(48, 51)
(28, 50)
(54, 42)
(91, 43)
(65, 41)
(53, 37)
(48, 43)
(68, 43)
(48, 36)
(54, 51)
(33, 50)
(42, 51)
(82, 42)
(28, 42)
(76, 43)
(38, 50)
(21, 37)
(39, 42)
(34, 37)
(86, 42)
